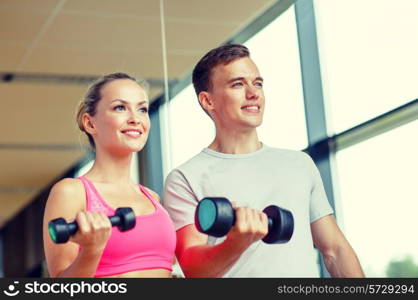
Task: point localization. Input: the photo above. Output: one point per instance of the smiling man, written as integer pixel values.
(238, 166)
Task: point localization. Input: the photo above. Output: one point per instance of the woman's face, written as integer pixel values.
(121, 123)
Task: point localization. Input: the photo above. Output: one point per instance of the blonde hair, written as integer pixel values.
(91, 99)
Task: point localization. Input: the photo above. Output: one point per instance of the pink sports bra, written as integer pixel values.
(149, 245)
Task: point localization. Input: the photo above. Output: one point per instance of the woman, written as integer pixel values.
(114, 115)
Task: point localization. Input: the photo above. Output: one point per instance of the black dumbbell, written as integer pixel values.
(60, 231)
(216, 216)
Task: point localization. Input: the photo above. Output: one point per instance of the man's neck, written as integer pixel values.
(236, 143)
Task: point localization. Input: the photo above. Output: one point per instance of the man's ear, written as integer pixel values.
(88, 124)
(206, 101)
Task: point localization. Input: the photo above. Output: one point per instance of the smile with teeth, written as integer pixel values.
(132, 133)
(252, 108)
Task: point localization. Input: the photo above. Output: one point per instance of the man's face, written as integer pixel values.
(237, 95)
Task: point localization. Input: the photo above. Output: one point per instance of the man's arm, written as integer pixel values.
(339, 257)
(195, 256)
(197, 259)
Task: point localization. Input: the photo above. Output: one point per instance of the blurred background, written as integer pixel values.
(340, 83)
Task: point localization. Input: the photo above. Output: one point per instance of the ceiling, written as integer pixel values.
(40, 140)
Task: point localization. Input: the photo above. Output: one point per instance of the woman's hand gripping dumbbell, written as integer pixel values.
(60, 231)
(216, 216)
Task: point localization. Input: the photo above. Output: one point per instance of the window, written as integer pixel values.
(368, 53)
(190, 128)
(379, 193)
(278, 62)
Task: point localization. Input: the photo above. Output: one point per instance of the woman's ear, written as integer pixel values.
(88, 124)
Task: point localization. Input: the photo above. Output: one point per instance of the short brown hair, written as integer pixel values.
(221, 55)
(93, 96)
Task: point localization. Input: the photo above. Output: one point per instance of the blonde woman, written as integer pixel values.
(114, 115)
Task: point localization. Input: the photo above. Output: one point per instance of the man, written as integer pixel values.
(237, 166)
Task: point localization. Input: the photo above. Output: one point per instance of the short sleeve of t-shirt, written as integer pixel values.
(319, 204)
(179, 199)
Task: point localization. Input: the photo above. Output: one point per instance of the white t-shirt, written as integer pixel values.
(286, 178)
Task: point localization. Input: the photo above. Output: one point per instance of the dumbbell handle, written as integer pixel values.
(73, 227)
(215, 216)
(284, 228)
(269, 221)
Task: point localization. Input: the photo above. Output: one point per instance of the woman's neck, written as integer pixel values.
(109, 168)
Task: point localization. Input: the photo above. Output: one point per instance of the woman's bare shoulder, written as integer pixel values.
(153, 194)
(68, 193)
